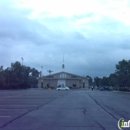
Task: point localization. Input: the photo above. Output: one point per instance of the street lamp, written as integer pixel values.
(49, 71)
(41, 70)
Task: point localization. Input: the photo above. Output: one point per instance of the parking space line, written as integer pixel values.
(10, 96)
(4, 109)
(5, 116)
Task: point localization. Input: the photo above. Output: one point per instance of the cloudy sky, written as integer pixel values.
(93, 35)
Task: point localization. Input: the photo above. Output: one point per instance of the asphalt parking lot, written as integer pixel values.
(17, 103)
(40, 109)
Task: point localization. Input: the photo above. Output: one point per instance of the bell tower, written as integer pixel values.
(63, 65)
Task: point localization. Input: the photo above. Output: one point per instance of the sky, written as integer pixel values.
(93, 35)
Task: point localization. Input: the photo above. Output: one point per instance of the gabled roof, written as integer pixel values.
(65, 73)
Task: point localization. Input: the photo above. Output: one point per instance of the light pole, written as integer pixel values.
(50, 71)
(41, 70)
(22, 60)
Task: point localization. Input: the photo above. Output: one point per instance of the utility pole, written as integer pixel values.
(41, 71)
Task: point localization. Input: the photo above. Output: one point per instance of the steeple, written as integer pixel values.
(63, 65)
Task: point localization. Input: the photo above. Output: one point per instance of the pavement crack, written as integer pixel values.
(84, 111)
(36, 108)
(103, 128)
(15, 119)
(102, 107)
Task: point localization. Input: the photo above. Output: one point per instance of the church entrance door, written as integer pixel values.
(61, 82)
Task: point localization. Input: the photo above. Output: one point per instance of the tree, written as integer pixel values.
(2, 78)
(90, 80)
(33, 77)
(97, 81)
(113, 80)
(123, 73)
(18, 77)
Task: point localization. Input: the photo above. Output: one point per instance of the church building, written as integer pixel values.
(62, 79)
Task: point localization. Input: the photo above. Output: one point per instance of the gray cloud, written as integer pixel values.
(42, 42)
(21, 28)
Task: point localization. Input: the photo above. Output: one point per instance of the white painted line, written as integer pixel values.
(5, 116)
(10, 97)
(4, 109)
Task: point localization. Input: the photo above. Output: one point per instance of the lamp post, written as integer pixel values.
(49, 71)
(41, 70)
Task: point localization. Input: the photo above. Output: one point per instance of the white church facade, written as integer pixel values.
(63, 78)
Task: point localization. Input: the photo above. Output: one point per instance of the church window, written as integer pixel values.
(63, 75)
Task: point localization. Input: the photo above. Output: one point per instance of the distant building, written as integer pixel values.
(63, 78)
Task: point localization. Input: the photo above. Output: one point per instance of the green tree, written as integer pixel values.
(97, 81)
(2, 78)
(104, 81)
(18, 77)
(113, 80)
(33, 78)
(90, 80)
(123, 73)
